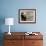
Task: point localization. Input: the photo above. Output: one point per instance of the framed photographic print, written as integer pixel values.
(27, 15)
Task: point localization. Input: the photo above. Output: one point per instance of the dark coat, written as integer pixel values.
(23, 18)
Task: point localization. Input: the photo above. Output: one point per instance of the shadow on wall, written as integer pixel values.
(2, 21)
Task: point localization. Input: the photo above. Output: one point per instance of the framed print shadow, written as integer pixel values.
(27, 15)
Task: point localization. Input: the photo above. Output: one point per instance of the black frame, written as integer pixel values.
(25, 21)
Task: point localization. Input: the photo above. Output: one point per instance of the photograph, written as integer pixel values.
(27, 15)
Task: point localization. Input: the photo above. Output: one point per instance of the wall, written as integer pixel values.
(9, 8)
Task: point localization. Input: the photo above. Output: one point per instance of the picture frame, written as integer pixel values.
(27, 15)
